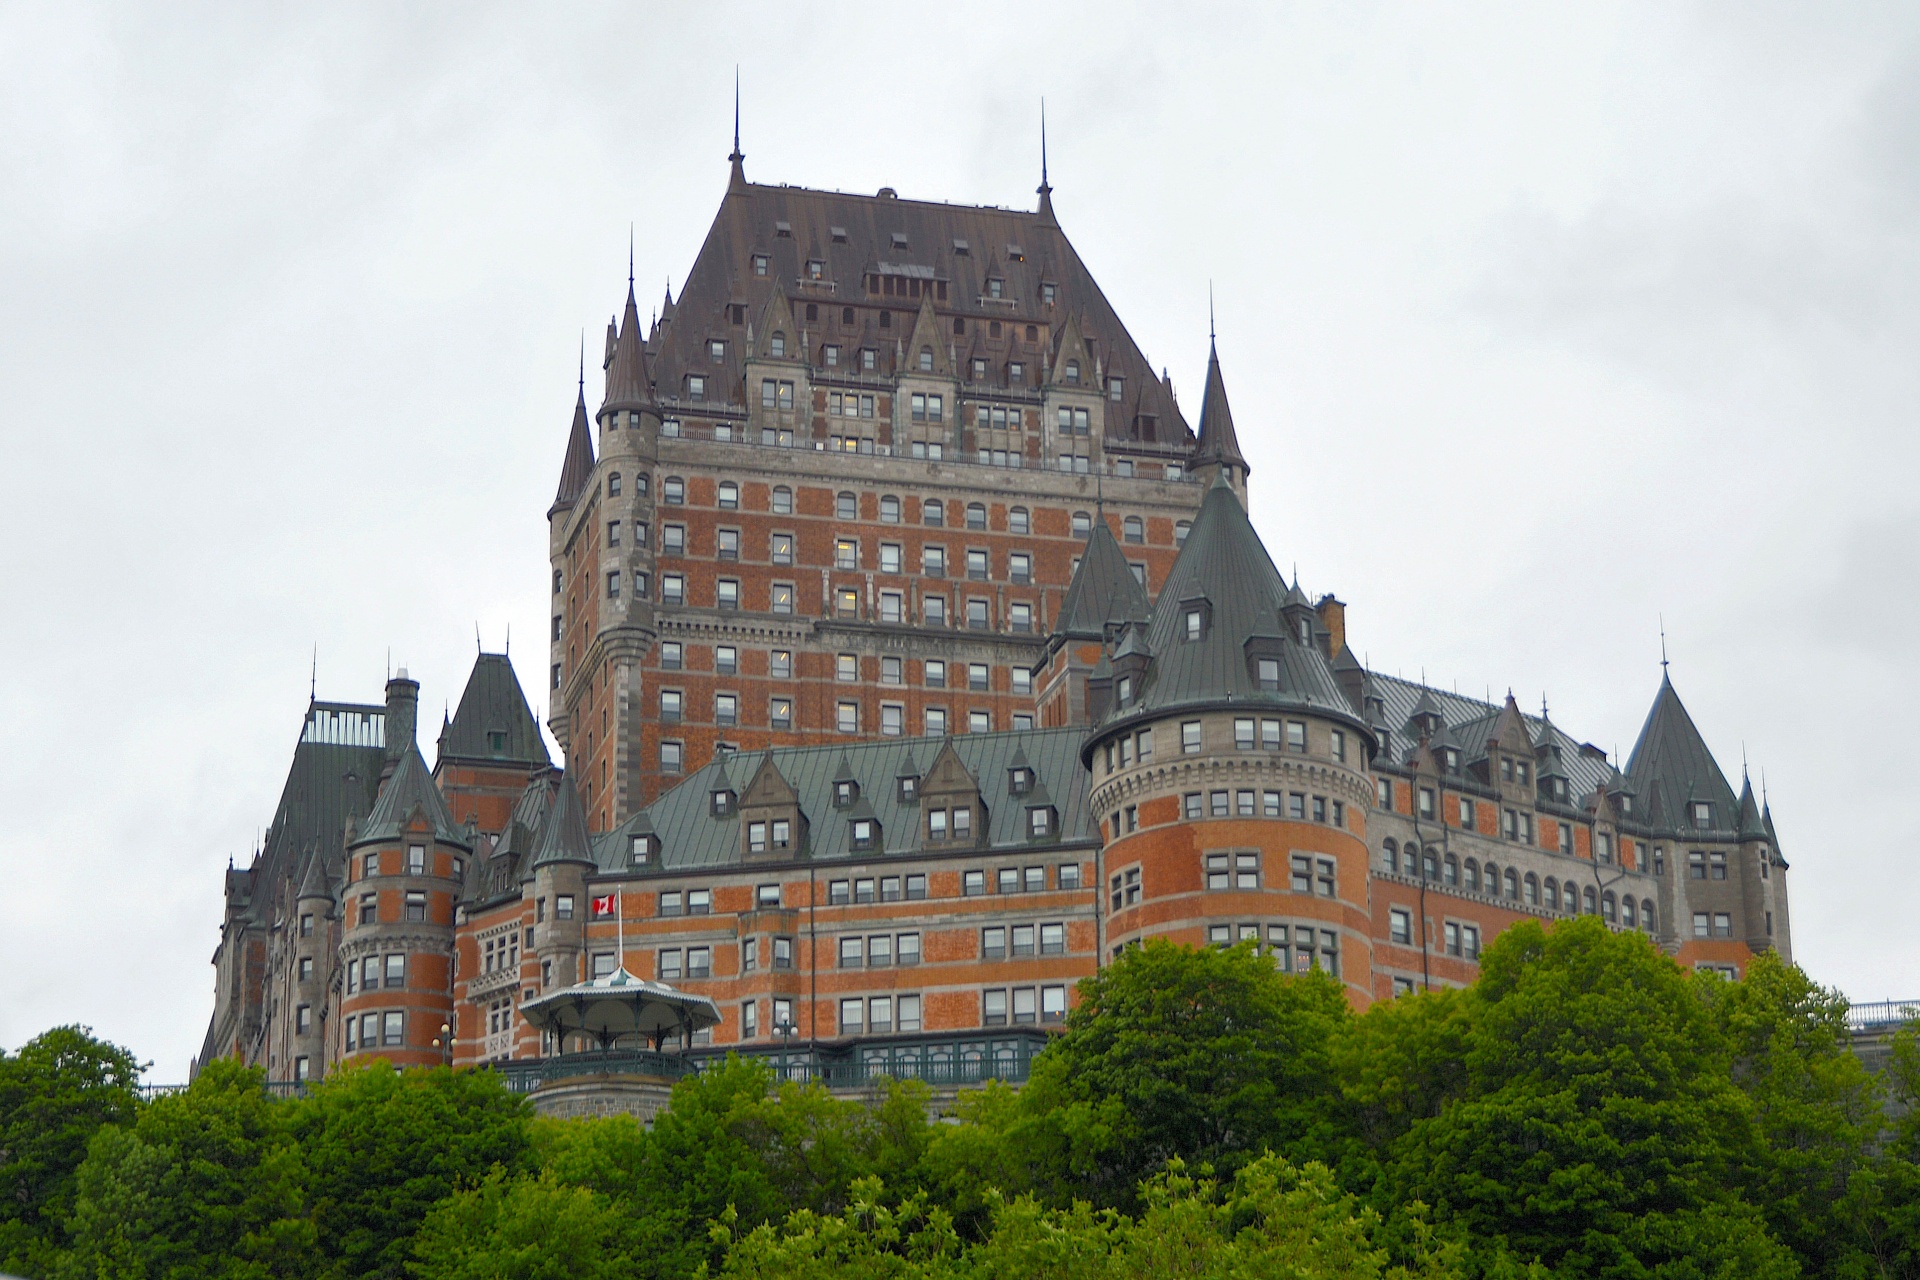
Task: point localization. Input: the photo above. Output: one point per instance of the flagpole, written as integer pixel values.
(619, 932)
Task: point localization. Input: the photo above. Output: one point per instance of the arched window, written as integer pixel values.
(673, 490)
(1017, 521)
(933, 512)
(1533, 890)
(777, 345)
(644, 483)
(1453, 870)
(1180, 532)
(1473, 876)
(846, 506)
(782, 500)
(889, 509)
(1609, 908)
(976, 515)
(1589, 899)
(1493, 879)
(1390, 854)
(1082, 524)
(729, 495)
(1553, 894)
(926, 359)
(1430, 862)
(1629, 915)
(1134, 529)
(1513, 884)
(1648, 920)
(613, 484)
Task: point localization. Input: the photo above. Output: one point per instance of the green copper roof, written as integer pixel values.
(1226, 573)
(564, 836)
(494, 721)
(1103, 591)
(1672, 767)
(410, 788)
(1218, 440)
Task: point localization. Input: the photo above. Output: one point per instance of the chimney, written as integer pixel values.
(403, 713)
(1333, 616)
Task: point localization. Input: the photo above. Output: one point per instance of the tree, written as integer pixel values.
(536, 1227)
(55, 1094)
(1597, 1115)
(381, 1147)
(204, 1183)
(1206, 1055)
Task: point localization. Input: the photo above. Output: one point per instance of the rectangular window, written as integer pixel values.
(1009, 880)
(416, 905)
(1190, 737)
(416, 859)
(393, 1028)
(1243, 738)
(847, 717)
(699, 902)
(1296, 735)
(973, 883)
(1400, 926)
(1025, 1005)
(993, 1007)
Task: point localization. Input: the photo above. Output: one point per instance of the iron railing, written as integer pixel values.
(1882, 1013)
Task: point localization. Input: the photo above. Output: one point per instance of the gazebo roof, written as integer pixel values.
(620, 1005)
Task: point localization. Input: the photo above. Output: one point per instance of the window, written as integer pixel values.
(671, 756)
(726, 708)
(1697, 865)
(780, 597)
(846, 506)
(993, 1007)
(1717, 866)
(392, 1028)
(416, 905)
(726, 593)
(1703, 814)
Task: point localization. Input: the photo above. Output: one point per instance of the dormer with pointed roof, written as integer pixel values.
(952, 812)
(1103, 599)
(772, 823)
(927, 347)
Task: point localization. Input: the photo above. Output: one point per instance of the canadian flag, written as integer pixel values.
(603, 905)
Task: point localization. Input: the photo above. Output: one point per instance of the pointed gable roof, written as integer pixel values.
(1218, 440)
(1671, 764)
(493, 703)
(315, 883)
(408, 792)
(926, 334)
(629, 385)
(563, 838)
(1103, 591)
(1224, 564)
(578, 467)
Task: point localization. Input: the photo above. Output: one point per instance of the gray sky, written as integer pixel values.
(1539, 321)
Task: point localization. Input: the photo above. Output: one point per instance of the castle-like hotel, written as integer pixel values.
(911, 656)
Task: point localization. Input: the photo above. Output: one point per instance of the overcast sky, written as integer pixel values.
(1540, 322)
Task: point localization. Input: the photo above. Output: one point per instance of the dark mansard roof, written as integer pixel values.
(691, 837)
(858, 238)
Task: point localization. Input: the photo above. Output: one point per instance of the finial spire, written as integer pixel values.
(629, 259)
(1663, 644)
(1045, 187)
(737, 153)
(583, 364)
(1211, 336)
(313, 678)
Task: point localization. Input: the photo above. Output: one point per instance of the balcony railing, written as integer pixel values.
(527, 1075)
(1882, 1013)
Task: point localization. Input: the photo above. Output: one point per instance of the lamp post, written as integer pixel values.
(786, 1031)
(444, 1042)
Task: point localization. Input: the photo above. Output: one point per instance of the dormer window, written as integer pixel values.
(1703, 815)
(1303, 629)
(1016, 253)
(1123, 691)
(496, 741)
(839, 234)
(1196, 619)
(696, 387)
(1016, 372)
(996, 287)
(1452, 756)
(777, 345)
(1041, 821)
(863, 833)
(717, 351)
(784, 230)
(720, 803)
(1047, 293)
(979, 370)
(640, 850)
(899, 240)
(816, 269)
(1269, 674)
(760, 264)
(1116, 388)
(926, 359)
(845, 792)
(960, 249)
(909, 789)
(1073, 372)
(1019, 780)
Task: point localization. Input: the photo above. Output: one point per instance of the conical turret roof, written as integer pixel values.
(1103, 591)
(1218, 441)
(1671, 765)
(315, 883)
(628, 384)
(1225, 570)
(410, 789)
(1751, 827)
(494, 721)
(564, 836)
(578, 467)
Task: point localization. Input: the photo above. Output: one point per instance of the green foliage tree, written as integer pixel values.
(55, 1094)
(382, 1147)
(204, 1183)
(1597, 1126)
(1204, 1055)
(538, 1227)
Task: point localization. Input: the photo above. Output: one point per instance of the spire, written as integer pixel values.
(1045, 189)
(629, 385)
(410, 792)
(578, 467)
(563, 837)
(1671, 762)
(1218, 442)
(738, 180)
(1751, 825)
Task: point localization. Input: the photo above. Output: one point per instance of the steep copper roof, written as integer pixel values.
(578, 468)
(564, 836)
(1672, 766)
(860, 240)
(628, 384)
(1103, 589)
(494, 721)
(410, 789)
(1218, 442)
